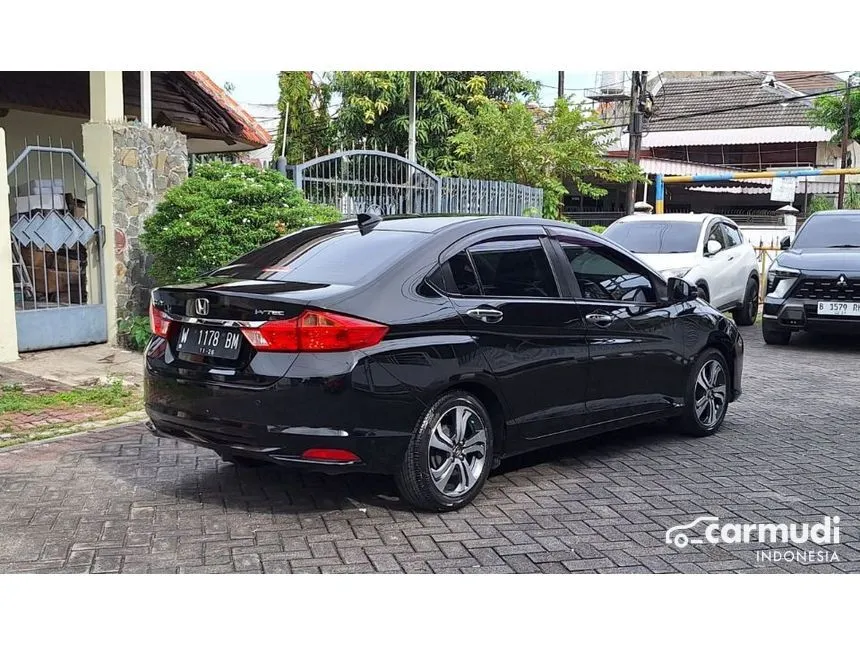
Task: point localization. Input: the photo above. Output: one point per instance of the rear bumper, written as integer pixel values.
(356, 408)
(375, 454)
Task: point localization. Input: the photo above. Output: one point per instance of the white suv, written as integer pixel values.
(708, 251)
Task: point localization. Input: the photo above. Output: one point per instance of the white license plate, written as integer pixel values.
(838, 308)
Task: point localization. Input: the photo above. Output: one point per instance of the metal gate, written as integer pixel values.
(354, 181)
(57, 240)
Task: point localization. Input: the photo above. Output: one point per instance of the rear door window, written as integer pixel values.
(324, 256)
(511, 268)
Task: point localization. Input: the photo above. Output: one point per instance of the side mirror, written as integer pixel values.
(681, 291)
(784, 243)
(714, 247)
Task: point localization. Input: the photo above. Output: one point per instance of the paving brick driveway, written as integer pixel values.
(122, 500)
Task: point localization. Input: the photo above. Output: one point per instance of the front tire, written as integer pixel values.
(449, 456)
(707, 400)
(746, 314)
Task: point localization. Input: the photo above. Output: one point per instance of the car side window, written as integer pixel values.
(502, 268)
(732, 235)
(603, 274)
(715, 232)
(514, 269)
(464, 276)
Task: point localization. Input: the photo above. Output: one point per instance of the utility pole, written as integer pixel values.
(413, 91)
(846, 126)
(637, 89)
(561, 85)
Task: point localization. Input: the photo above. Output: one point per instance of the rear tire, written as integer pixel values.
(708, 390)
(746, 314)
(776, 336)
(449, 456)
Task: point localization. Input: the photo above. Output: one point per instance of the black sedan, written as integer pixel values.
(430, 348)
(814, 285)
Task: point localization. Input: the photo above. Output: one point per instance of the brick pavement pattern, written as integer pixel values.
(123, 501)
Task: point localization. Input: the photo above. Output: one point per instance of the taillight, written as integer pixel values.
(330, 454)
(315, 331)
(159, 322)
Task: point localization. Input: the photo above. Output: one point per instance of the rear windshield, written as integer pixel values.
(655, 237)
(829, 231)
(323, 256)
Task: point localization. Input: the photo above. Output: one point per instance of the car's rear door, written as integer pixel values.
(504, 288)
(635, 350)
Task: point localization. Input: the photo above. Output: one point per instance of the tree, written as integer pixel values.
(220, 213)
(374, 111)
(828, 112)
(567, 144)
(309, 127)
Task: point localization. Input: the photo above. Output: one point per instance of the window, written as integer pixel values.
(715, 233)
(603, 274)
(640, 236)
(463, 273)
(506, 268)
(323, 255)
(732, 235)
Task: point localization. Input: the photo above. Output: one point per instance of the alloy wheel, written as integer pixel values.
(710, 393)
(754, 303)
(457, 451)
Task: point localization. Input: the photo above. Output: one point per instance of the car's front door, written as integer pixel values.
(736, 257)
(635, 352)
(718, 266)
(533, 339)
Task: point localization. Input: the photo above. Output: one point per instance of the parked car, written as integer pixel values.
(708, 251)
(814, 284)
(430, 348)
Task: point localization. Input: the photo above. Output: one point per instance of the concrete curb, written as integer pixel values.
(128, 418)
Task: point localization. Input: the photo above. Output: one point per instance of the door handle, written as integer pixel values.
(731, 257)
(486, 314)
(601, 320)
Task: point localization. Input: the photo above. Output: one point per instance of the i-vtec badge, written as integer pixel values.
(268, 312)
(201, 307)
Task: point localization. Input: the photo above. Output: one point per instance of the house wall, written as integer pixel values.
(146, 163)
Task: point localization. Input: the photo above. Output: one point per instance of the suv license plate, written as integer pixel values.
(838, 308)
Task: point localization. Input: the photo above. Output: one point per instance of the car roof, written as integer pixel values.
(432, 223)
(669, 217)
(844, 211)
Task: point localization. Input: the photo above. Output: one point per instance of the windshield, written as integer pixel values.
(829, 231)
(323, 255)
(655, 237)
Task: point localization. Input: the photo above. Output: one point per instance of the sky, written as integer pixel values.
(262, 86)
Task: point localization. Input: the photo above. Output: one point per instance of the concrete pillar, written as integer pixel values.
(106, 102)
(8, 328)
(106, 107)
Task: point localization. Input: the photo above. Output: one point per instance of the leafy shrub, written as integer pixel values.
(134, 332)
(597, 228)
(220, 213)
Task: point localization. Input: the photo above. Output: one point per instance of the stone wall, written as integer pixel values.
(147, 161)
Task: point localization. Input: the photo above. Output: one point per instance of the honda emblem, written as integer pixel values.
(842, 281)
(201, 307)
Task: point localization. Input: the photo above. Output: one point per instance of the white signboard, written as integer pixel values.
(783, 189)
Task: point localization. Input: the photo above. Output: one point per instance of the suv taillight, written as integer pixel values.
(315, 331)
(159, 322)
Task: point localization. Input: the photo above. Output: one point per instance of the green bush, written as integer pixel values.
(220, 213)
(597, 228)
(134, 332)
